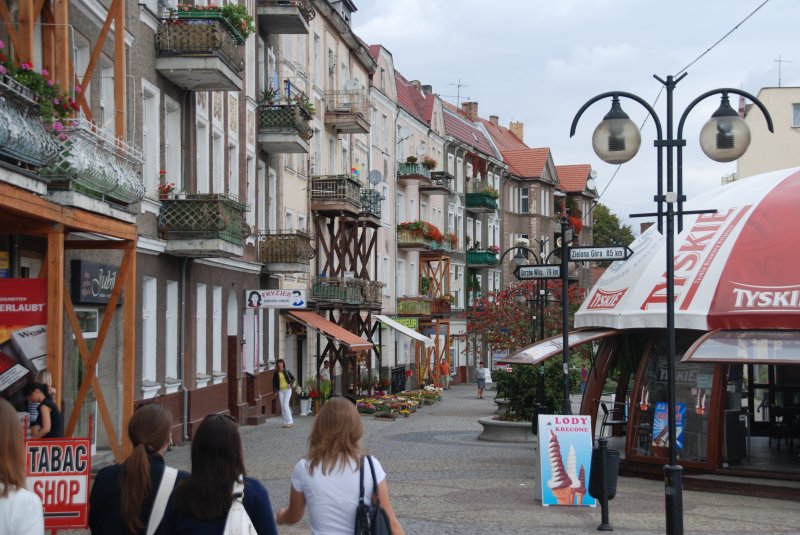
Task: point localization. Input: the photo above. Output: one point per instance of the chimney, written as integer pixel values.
(471, 109)
(494, 119)
(416, 84)
(427, 90)
(518, 129)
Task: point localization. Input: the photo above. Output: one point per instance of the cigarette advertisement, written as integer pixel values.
(23, 331)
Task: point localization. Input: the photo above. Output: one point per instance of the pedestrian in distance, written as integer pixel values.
(327, 479)
(20, 509)
(45, 378)
(480, 375)
(124, 496)
(282, 384)
(444, 370)
(584, 378)
(325, 372)
(50, 423)
(201, 502)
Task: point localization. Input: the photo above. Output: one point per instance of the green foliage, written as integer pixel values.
(238, 16)
(522, 388)
(608, 230)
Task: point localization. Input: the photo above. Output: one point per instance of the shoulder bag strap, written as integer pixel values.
(160, 503)
(361, 481)
(374, 481)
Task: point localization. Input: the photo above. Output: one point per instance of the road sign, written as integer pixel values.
(587, 254)
(547, 271)
(59, 471)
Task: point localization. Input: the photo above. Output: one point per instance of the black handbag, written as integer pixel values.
(371, 519)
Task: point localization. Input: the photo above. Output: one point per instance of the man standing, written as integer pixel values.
(444, 370)
(325, 372)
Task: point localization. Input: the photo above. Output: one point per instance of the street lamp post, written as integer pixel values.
(724, 138)
(566, 238)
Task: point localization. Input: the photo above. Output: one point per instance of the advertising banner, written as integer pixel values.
(565, 458)
(58, 471)
(275, 299)
(661, 425)
(23, 331)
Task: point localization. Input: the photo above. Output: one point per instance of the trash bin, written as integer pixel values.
(596, 476)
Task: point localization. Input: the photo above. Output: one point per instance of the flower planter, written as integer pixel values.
(502, 431)
(305, 407)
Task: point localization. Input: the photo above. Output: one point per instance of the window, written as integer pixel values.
(490, 231)
(149, 329)
(383, 80)
(451, 218)
(151, 142)
(331, 155)
(460, 226)
(400, 278)
(544, 208)
(317, 61)
(173, 147)
(202, 157)
(796, 115)
(200, 329)
(233, 170)
(414, 286)
(479, 233)
(219, 163)
(251, 191)
(460, 284)
(386, 274)
(460, 175)
(107, 96)
(288, 220)
(216, 328)
(451, 164)
(272, 198)
(523, 200)
(385, 203)
(400, 208)
(385, 131)
(171, 330)
(471, 232)
(423, 211)
(301, 222)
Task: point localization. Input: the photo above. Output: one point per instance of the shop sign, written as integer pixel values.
(565, 459)
(93, 283)
(411, 323)
(275, 299)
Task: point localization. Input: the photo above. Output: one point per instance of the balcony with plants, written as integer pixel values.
(481, 197)
(419, 235)
(414, 306)
(284, 121)
(413, 169)
(201, 48)
(285, 16)
(347, 111)
(203, 225)
(336, 194)
(479, 257)
(440, 183)
(285, 251)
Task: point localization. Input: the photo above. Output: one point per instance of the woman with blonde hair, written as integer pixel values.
(327, 479)
(124, 496)
(20, 509)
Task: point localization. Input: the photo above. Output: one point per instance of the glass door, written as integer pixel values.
(89, 320)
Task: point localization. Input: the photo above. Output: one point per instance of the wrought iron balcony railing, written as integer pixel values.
(336, 189)
(282, 117)
(373, 293)
(304, 8)
(371, 203)
(285, 247)
(481, 201)
(411, 239)
(481, 258)
(93, 162)
(24, 140)
(413, 170)
(354, 101)
(338, 289)
(198, 35)
(203, 216)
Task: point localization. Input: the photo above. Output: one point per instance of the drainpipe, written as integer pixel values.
(182, 349)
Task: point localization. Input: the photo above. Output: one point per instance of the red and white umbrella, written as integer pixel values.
(736, 269)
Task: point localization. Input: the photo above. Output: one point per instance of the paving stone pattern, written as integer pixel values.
(442, 480)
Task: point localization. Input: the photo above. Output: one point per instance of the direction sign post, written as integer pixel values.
(599, 253)
(542, 271)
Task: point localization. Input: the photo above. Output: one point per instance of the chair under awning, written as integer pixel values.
(399, 327)
(330, 329)
(746, 347)
(544, 349)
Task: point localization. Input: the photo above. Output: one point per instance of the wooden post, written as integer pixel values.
(129, 346)
(55, 306)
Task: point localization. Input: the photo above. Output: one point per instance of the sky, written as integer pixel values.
(539, 61)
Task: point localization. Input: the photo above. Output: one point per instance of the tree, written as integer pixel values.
(608, 230)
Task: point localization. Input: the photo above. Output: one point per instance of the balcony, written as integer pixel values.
(285, 251)
(372, 294)
(338, 290)
(200, 52)
(481, 197)
(477, 259)
(336, 194)
(371, 206)
(411, 240)
(439, 184)
(347, 112)
(285, 16)
(414, 306)
(440, 307)
(203, 225)
(24, 141)
(96, 164)
(284, 129)
(413, 171)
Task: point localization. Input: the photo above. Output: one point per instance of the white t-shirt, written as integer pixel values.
(21, 513)
(332, 499)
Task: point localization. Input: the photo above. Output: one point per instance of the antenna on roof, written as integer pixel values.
(458, 85)
(778, 61)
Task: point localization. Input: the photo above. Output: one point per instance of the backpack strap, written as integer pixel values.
(162, 496)
(361, 481)
(374, 481)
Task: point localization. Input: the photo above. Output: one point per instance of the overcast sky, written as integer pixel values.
(539, 61)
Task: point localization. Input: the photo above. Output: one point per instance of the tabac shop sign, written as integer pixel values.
(92, 283)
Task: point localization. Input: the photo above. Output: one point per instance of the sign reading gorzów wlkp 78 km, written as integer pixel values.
(58, 472)
(588, 254)
(524, 273)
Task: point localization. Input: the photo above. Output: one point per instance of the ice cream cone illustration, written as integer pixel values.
(572, 470)
(580, 492)
(559, 482)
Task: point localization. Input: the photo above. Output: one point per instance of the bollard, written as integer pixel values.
(603, 479)
(673, 491)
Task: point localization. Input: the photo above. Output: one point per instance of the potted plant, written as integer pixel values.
(411, 160)
(492, 193)
(429, 162)
(452, 238)
(268, 96)
(494, 249)
(165, 189)
(235, 16)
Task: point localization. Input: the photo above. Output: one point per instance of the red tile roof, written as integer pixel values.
(459, 125)
(503, 138)
(374, 51)
(410, 99)
(573, 177)
(527, 163)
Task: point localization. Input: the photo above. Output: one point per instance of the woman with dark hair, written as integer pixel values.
(20, 509)
(123, 495)
(200, 504)
(327, 479)
(49, 424)
(282, 382)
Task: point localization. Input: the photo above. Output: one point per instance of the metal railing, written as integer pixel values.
(344, 188)
(413, 306)
(411, 238)
(201, 35)
(412, 169)
(24, 140)
(481, 258)
(442, 179)
(285, 116)
(304, 6)
(355, 101)
(203, 216)
(480, 200)
(285, 247)
(371, 203)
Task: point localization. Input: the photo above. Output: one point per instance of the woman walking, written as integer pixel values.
(200, 504)
(480, 375)
(49, 424)
(282, 382)
(20, 509)
(123, 495)
(327, 478)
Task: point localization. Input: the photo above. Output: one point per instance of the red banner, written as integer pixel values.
(23, 301)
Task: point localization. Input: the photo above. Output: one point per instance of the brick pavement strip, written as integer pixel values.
(442, 480)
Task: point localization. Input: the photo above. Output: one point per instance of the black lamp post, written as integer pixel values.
(566, 239)
(724, 138)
